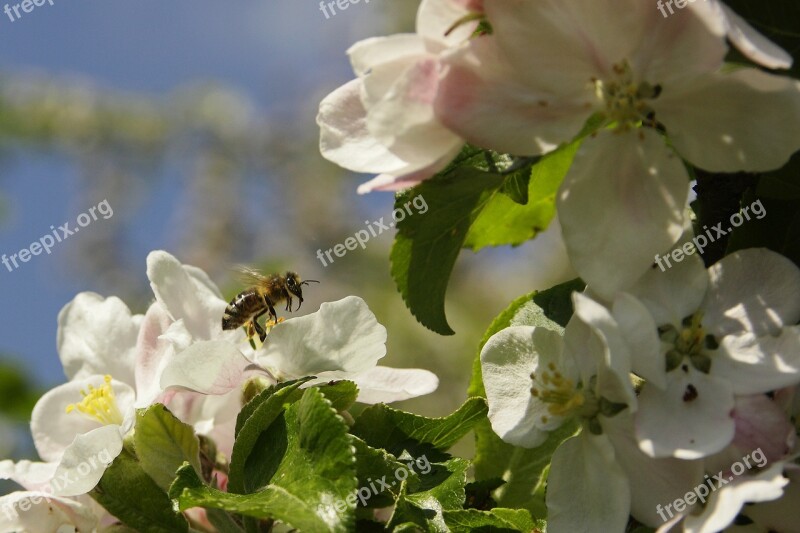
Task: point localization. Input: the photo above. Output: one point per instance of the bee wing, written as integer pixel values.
(249, 275)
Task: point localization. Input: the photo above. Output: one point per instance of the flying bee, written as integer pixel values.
(263, 295)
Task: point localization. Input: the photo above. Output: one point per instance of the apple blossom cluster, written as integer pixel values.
(178, 356)
(670, 376)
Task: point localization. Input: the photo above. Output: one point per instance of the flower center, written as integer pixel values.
(692, 342)
(561, 395)
(99, 404)
(626, 99)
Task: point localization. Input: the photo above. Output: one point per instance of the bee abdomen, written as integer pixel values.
(242, 308)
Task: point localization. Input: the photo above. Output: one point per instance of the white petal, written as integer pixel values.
(389, 182)
(507, 360)
(640, 333)
(342, 335)
(705, 123)
(674, 293)
(382, 384)
(726, 502)
(759, 364)
(97, 335)
(85, 461)
(208, 367)
(752, 43)
(611, 354)
(653, 482)
(369, 53)
(620, 204)
(29, 475)
(41, 512)
(152, 352)
(185, 295)
(755, 290)
(587, 490)
(436, 17)
(54, 429)
(690, 419)
(781, 514)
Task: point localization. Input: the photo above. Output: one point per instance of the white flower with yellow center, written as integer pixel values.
(660, 88)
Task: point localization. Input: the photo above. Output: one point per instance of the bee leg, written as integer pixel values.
(289, 303)
(272, 314)
(262, 335)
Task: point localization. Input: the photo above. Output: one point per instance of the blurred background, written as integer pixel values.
(196, 123)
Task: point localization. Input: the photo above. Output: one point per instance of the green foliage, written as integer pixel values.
(383, 427)
(17, 393)
(315, 470)
(128, 493)
(495, 521)
(163, 443)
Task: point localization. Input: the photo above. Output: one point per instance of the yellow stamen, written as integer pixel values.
(559, 393)
(99, 404)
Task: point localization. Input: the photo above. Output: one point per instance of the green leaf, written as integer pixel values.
(425, 508)
(502, 221)
(128, 493)
(495, 521)
(317, 472)
(523, 469)
(516, 184)
(246, 475)
(163, 443)
(427, 245)
(373, 464)
(383, 427)
(341, 394)
(251, 406)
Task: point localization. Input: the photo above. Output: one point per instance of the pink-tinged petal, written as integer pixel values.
(482, 98)
(690, 419)
(754, 290)
(185, 296)
(208, 367)
(382, 384)
(751, 43)
(41, 512)
(346, 141)
(29, 475)
(587, 490)
(675, 292)
(150, 353)
(764, 435)
(403, 119)
(370, 53)
(653, 482)
(97, 335)
(705, 123)
(620, 204)
(507, 360)
(755, 364)
(85, 461)
(725, 503)
(342, 335)
(53, 429)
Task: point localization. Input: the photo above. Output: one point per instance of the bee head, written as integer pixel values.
(295, 286)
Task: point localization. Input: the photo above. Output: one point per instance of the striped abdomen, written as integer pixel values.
(242, 308)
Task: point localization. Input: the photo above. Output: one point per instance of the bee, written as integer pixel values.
(263, 295)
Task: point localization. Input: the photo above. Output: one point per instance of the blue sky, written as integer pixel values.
(282, 54)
